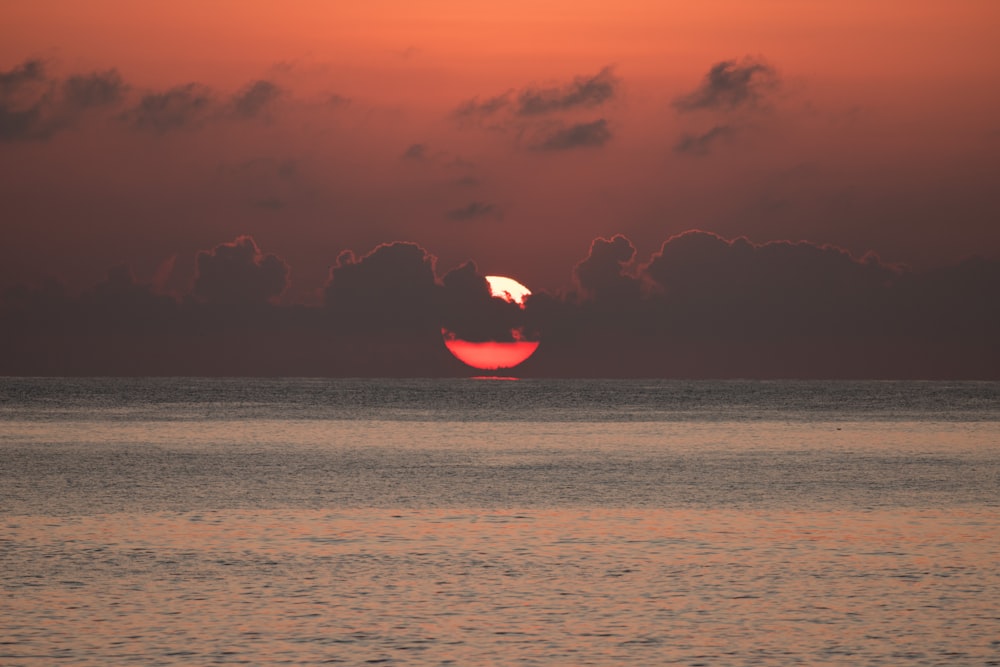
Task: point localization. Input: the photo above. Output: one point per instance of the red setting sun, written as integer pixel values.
(494, 355)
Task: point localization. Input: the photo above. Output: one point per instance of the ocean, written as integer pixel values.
(184, 521)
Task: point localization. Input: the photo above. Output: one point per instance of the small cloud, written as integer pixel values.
(407, 53)
(177, 108)
(255, 98)
(28, 72)
(730, 85)
(97, 89)
(24, 96)
(701, 144)
(415, 152)
(475, 109)
(270, 204)
(337, 101)
(472, 210)
(582, 92)
(467, 181)
(580, 135)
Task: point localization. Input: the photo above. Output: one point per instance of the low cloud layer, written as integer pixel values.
(700, 306)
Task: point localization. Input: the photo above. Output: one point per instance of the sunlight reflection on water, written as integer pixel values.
(184, 522)
(564, 587)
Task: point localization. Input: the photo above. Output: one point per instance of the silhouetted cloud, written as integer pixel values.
(602, 274)
(392, 289)
(700, 306)
(516, 107)
(255, 98)
(475, 108)
(34, 106)
(580, 135)
(174, 109)
(468, 311)
(15, 79)
(701, 144)
(730, 84)
(474, 209)
(97, 89)
(415, 152)
(582, 92)
(338, 101)
(238, 273)
(24, 93)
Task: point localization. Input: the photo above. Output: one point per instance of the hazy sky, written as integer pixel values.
(511, 134)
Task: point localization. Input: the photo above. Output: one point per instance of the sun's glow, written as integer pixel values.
(495, 355)
(508, 289)
(491, 356)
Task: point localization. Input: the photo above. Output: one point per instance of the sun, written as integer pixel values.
(495, 355)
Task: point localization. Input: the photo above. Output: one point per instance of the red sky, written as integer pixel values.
(511, 134)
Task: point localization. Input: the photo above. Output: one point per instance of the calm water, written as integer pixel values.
(465, 522)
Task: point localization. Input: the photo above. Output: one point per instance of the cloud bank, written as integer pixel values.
(700, 306)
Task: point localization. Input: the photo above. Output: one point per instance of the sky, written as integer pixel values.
(229, 153)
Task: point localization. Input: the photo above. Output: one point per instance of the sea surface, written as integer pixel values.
(492, 522)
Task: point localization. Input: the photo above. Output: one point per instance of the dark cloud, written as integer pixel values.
(701, 144)
(34, 106)
(238, 273)
(582, 92)
(603, 274)
(700, 306)
(16, 79)
(337, 101)
(391, 290)
(415, 152)
(270, 204)
(476, 109)
(515, 107)
(24, 97)
(472, 210)
(97, 89)
(581, 135)
(467, 181)
(177, 108)
(255, 99)
(730, 85)
(469, 312)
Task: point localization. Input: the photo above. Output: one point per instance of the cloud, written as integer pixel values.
(176, 108)
(472, 210)
(581, 135)
(700, 306)
(337, 101)
(97, 89)
(730, 85)
(701, 144)
(582, 92)
(16, 79)
(475, 109)
(469, 312)
(255, 99)
(602, 274)
(391, 290)
(415, 152)
(34, 106)
(25, 92)
(513, 109)
(238, 273)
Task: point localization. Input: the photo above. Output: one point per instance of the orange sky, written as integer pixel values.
(872, 126)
